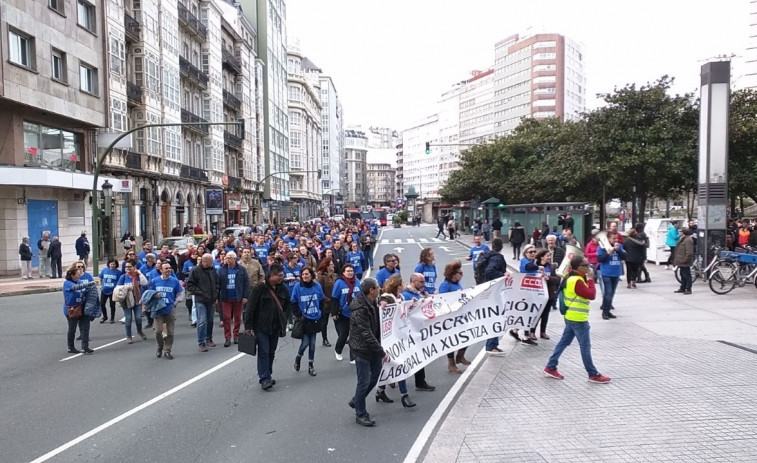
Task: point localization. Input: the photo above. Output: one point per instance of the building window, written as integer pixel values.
(21, 49)
(52, 147)
(56, 5)
(87, 79)
(85, 13)
(117, 56)
(59, 65)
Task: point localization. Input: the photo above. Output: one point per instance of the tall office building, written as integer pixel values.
(333, 187)
(354, 167)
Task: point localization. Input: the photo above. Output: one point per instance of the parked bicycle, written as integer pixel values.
(735, 269)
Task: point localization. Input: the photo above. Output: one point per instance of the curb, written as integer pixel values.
(24, 292)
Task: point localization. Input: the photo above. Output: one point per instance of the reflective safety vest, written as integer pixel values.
(743, 237)
(576, 307)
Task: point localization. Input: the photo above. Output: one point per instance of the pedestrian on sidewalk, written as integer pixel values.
(497, 228)
(82, 248)
(671, 240)
(43, 245)
(611, 265)
(440, 224)
(55, 253)
(684, 259)
(25, 252)
(641, 235)
(486, 229)
(635, 254)
(517, 238)
(578, 290)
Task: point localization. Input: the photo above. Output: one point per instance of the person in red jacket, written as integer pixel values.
(590, 252)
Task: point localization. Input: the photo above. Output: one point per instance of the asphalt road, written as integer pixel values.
(124, 404)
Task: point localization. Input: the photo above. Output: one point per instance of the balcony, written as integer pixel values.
(234, 182)
(134, 93)
(230, 100)
(232, 140)
(187, 116)
(193, 173)
(191, 23)
(132, 28)
(133, 160)
(231, 62)
(189, 70)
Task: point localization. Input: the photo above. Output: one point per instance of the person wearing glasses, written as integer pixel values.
(530, 266)
(389, 269)
(453, 274)
(578, 290)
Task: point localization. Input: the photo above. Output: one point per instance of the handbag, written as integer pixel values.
(74, 311)
(248, 343)
(298, 330)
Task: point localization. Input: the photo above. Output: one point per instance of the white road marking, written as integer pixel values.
(441, 409)
(423, 240)
(384, 241)
(96, 348)
(134, 410)
(397, 241)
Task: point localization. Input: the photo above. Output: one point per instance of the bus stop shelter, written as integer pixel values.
(531, 216)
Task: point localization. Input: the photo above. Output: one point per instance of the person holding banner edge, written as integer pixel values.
(453, 273)
(578, 290)
(416, 290)
(496, 268)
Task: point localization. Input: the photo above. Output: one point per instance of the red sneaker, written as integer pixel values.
(602, 379)
(553, 373)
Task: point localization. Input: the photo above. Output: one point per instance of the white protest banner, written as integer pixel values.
(414, 333)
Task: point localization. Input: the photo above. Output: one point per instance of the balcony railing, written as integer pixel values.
(133, 160)
(134, 93)
(232, 140)
(132, 27)
(193, 173)
(188, 116)
(230, 100)
(189, 70)
(231, 62)
(234, 182)
(191, 22)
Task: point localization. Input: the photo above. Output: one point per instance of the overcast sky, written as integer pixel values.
(392, 59)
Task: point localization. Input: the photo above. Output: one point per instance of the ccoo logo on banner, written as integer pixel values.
(416, 332)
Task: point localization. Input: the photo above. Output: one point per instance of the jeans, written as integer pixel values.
(516, 250)
(57, 268)
(402, 385)
(572, 330)
(610, 285)
(325, 323)
(491, 343)
(204, 321)
(670, 257)
(368, 371)
(130, 312)
(231, 309)
(343, 330)
(685, 278)
(369, 258)
(165, 343)
(308, 340)
(83, 324)
(44, 266)
(267, 344)
(103, 298)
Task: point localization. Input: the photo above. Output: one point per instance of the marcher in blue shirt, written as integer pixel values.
(169, 288)
(611, 265)
(74, 289)
(427, 268)
(234, 284)
(416, 290)
(307, 299)
(150, 265)
(453, 274)
(389, 269)
(356, 257)
(476, 250)
(108, 278)
(345, 289)
(528, 263)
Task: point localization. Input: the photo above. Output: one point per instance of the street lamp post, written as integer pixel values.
(98, 167)
(107, 193)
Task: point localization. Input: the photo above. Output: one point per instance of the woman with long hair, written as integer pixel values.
(74, 289)
(427, 268)
(391, 295)
(109, 277)
(356, 257)
(326, 277)
(453, 274)
(307, 299)
(345, 289)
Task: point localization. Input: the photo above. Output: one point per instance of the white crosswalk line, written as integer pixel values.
(385, 241)
(436, 240)
(423, 240)
(397, 241)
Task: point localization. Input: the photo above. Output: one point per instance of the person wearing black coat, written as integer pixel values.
(25, 252)
(495, 268)
(55, 253)
(264, 315)
(517, 238)
(635, 253)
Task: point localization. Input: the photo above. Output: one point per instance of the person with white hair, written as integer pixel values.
(25, 252)
(234, 284)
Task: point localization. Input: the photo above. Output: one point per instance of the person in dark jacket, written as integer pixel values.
(202, 285)
(496, 268)
(684, 259)
(635, 252)
(82, 248)
(264, 316)
(517, 238)
(25, 253)
(234, 289)
(639, 227)
(55, 253)
(365, 336)
(497, 228)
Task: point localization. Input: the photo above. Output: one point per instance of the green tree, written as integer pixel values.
(742, 146)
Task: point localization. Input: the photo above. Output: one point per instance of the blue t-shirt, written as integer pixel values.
(384, 275)
(170, 288)
(73, 297)
(231, 282)
(109, 278)
(293, 242)
(341, 292)
(449, 287)
(187, 268)
(429, 273)
(613, 266)
(475, 251)
(525, 261)
(262, 253)
(356, 259)
(142, 256)
(145, 270)
(217, 265)
(291, 275)
(308, 300)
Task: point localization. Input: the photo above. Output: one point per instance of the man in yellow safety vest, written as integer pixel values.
(578, 290)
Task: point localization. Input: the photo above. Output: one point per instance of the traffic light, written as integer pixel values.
(428, 147)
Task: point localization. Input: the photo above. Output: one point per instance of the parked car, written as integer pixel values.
(178, 241)
(337, 218)
(236, 231)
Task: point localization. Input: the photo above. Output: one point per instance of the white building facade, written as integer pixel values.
(750, 58)
(354, 167)
(332, 121)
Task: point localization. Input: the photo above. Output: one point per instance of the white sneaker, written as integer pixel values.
(338, 356)
(352, 362)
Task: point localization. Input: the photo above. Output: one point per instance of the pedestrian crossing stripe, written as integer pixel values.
(412, 241)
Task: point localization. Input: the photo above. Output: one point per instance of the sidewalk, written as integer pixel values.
(15, 286)
(677, 394)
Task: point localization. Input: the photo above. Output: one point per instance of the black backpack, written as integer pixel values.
(479, 272)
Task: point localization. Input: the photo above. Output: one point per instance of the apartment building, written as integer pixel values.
(399, 183)
(380, 184)
(305, 134)
(354, 167)
(332, 122)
